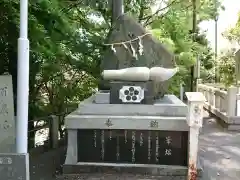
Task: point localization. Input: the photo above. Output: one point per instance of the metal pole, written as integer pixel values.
(194, 28)
(22, 81)
(216, 51)
(181, 92)
(216, 44)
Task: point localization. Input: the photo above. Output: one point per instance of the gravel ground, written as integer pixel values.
(219, 149)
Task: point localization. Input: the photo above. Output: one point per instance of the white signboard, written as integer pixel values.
(7, 121)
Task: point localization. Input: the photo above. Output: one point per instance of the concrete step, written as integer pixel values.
(117, 177)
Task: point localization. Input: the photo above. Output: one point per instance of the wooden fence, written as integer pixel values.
(45, 134)
(48, 132)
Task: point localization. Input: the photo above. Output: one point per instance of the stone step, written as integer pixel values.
(116, 177)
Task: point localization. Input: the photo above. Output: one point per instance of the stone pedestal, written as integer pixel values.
(135, 138)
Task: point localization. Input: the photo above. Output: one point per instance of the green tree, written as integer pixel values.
(227, 67)
(226, 60)
(175, 24)
(66, 44)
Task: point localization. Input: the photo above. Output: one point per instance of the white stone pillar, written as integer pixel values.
(194, 120)
(232, 101)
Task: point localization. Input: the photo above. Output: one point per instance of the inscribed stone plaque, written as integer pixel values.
(133, 146)
(7, 121)
(14, 166)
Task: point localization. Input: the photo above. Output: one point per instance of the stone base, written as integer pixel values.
(224, 124)
(119, 177)
(14, 166)
(169, 105)
(134, 169)
(125, 171)
(228, 123)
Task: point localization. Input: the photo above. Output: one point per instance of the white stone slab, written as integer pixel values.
(169, 105)
(76, 121)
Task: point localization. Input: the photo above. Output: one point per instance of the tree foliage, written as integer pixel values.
(233, 34)
(227, 59)
(227, 67)
(175, 26)
(66, 42)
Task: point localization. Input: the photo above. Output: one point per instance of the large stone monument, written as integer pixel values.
(130, 45)
(12, 165)
(7, 121)
(131, 125)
